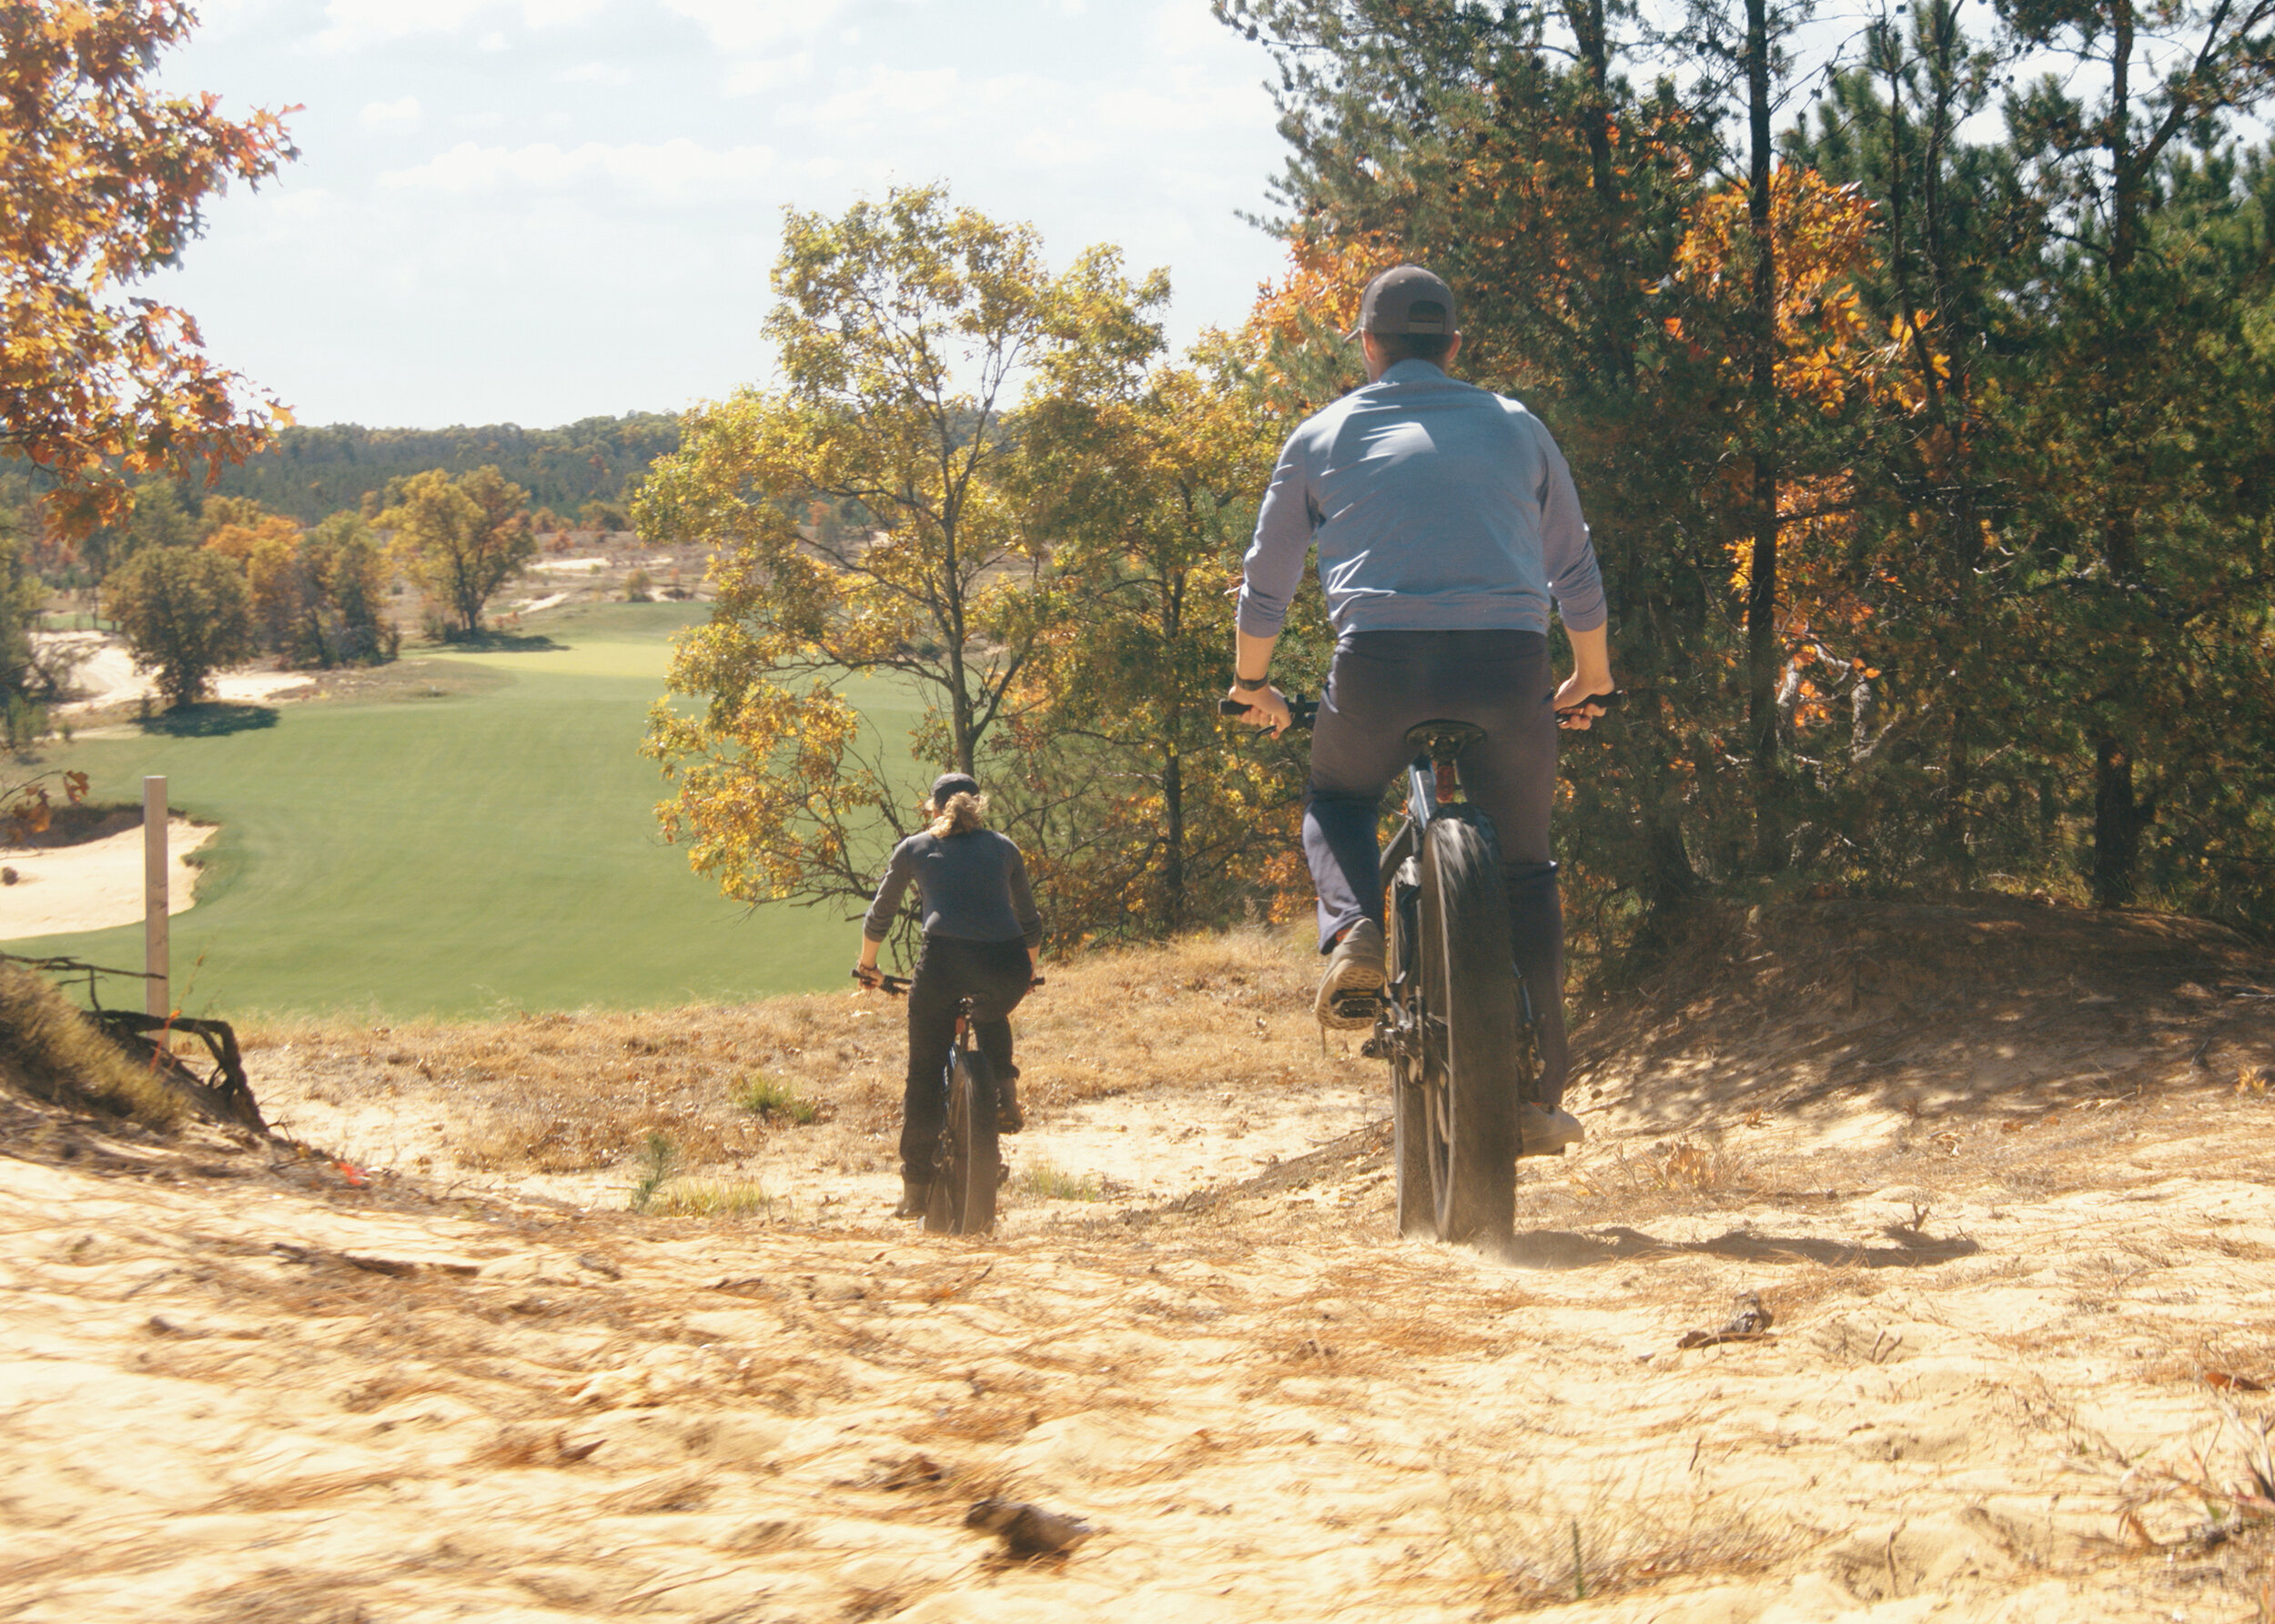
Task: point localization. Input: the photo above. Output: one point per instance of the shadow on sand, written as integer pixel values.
(1565, 1249)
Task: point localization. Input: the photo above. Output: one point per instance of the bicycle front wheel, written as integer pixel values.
(1472, 1071)
(963, 1195)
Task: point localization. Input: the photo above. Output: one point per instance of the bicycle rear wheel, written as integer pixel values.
(963, 1194)
(1469, 995)
(1406, 1019)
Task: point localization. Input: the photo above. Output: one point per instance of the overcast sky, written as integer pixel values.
(537, 210)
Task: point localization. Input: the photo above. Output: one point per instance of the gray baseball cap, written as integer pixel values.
(952, 783)
(1407, 299)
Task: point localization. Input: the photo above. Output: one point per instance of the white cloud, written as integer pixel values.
(1143, 109)
(355, 23)
(495, 40)
(742, 27)
(365, 21)
(1054, 149)
(890, 94)
(748, 78)
(552, 14)
(404, 114)
(597, 73)
(1187, 28)
(669, 170)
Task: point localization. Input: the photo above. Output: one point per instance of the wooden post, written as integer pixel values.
(156, 990)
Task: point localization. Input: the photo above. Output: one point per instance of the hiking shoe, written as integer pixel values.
(914, 1198)
(1352, 990)
(1547, 1131)
(1009, 1118)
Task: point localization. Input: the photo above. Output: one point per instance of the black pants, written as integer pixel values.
(1383, 682)
(993, 975)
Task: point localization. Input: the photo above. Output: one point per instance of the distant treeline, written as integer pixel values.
(311, 472)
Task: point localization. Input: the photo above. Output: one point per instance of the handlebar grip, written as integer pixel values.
(1230, 707)
(1606, 702)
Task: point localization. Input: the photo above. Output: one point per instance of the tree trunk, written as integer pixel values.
(2115, 811)
(1173, 857)
(2115, 823)
(1761, 603)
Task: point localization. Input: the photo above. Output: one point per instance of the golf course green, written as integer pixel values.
(481, 844)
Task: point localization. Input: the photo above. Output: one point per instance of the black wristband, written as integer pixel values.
(1245, 686)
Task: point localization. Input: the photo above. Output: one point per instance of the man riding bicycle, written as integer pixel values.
(1446, 522)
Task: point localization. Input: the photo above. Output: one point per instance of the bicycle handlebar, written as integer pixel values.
(892, 986)
(1606, 702)
(1304, 711)
(1300, 710)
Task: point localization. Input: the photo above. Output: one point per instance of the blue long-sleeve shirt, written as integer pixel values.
(1435, 505)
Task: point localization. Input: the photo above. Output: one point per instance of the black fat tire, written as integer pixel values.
(1467, 984)
(964, 1191)
(1409, 1108)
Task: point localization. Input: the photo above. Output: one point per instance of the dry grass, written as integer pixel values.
(574, 1093)
(1680, 1174)
(1538, 1538)
(1048, 1181)
(1204, 1012)
(52, 1052)
(1195, 1020)
(713, 1199)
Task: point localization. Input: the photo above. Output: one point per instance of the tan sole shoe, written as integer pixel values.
(1352, 990)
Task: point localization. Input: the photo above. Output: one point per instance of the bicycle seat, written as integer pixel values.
(1443, 741)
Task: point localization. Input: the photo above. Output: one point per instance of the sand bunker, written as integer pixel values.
(105, 676)
(96, 885)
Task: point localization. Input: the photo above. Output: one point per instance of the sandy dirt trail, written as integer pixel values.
(2018, 1358)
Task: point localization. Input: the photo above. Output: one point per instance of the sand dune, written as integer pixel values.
(2015, 1371)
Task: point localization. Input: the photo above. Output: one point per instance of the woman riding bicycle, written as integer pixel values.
(981, 935)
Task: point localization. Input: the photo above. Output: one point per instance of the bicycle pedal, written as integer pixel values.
(1356, 1006)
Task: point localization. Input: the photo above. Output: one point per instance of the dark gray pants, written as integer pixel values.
(1383, 682)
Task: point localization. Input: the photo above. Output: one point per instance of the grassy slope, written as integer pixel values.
(458, 856)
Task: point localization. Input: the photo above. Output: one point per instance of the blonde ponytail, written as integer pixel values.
(963, 812)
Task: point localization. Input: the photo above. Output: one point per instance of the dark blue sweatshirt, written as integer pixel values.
(974, 886)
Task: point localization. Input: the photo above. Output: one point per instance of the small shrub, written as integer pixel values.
(767, 1096)
(659, 1159)
(637, 587)
(1056, 1184)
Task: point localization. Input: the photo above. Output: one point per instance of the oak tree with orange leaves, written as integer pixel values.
(102, 181)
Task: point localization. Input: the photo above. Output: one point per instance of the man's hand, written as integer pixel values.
(1266, 707)
(1577, 688)
(1590, 676)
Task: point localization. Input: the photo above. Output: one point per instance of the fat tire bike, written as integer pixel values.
(967, 1165)
(1457, 1024)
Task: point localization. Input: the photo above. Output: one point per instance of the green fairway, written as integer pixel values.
(461, 854)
